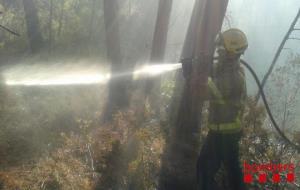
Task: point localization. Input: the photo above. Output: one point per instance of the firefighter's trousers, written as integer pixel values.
(220, 149)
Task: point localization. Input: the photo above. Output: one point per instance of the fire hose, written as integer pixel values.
(187, 67)
(261, 91)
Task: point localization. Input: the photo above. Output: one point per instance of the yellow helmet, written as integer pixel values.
(234, 41)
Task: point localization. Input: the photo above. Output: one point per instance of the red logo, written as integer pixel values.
(262, 173)
(262, 178)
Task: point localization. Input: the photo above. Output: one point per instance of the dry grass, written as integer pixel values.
(120, 152)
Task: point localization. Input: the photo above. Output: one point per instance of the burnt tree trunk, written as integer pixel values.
(179, 160)
(158, 51)
(33, 30)
(161, 31)
(150, 88)
(117, 95)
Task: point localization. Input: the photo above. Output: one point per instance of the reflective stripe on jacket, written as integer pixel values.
(227, 96)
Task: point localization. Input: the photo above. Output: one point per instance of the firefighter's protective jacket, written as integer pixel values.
(227, 97)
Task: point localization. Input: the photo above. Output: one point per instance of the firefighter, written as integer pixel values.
(227, 89)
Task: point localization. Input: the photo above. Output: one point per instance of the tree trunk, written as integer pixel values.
(91, 24)
(161, 30)
(33, 30)
(180, 156)
(117, 95)
(61, 17)
(50, 27)
(158, 51)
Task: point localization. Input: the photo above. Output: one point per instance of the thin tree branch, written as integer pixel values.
(227, 19)
(293, 38)
(286, 37)
(285, 113)
(287, 49)
(8, 30)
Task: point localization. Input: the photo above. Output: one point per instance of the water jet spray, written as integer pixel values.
(46, 77)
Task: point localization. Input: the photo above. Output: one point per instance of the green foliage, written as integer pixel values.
(78, 27)
(72, 24)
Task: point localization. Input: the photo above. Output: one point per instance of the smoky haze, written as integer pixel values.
(82, 106)
(264, 22)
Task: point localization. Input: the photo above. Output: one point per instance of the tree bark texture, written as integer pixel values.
(179, 160)
(33, 30)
